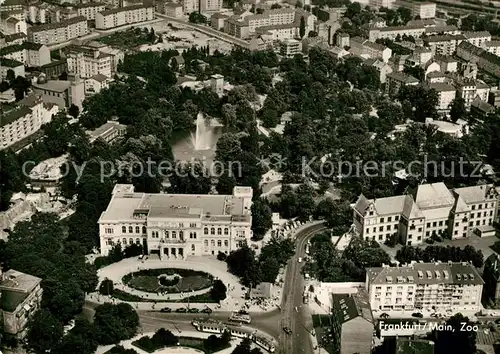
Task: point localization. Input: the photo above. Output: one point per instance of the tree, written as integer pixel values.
(164, 337)
(114, 323)
(74, 111)
(218, 291)
(106, 287)
(261, 218)
(302, 28)
(228, 148)
(44, 332)
(226, 183)
(245, 348)
(243, 264)
(80, 340)
(11, 75)
(118, 349)
(190, 178)
(196, 17)
(457, 340)
(457, 109)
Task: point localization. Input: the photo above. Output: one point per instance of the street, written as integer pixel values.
(293, 313)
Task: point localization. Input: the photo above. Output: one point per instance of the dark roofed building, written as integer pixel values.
(491, 277)
(352, 323)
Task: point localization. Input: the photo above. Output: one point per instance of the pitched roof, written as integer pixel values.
(433, 195)
(62, 24)
(349, 306)
(14, 114)
(123, 9)
(475, 194)
(9, 63)
(441, 87)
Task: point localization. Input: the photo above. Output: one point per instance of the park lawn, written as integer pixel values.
(195, 282)
(146, 283)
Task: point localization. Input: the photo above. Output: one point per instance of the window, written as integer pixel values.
(138, 241)
(473, 207)
(181, 234)
(137, 229)
(206, 243)
(226, 243)
(396, 218)
(380, 237)
(124, 240)
(389, 219)
(471, 215)
(219, 231)
(471, 223)
(130, 241)
(226, 231)
(434, 224)
(427, 233)
(130, 229)
(381, 219)
(212, 231)
(205, 231)
(370, 213)
(144, 229)
(441, 223)
(174, 234)
(480, 206)
(428, 224)
(167, 234)
(381, 228)
(193, 247)
(219, 243)
(124, 229)
(212, 243)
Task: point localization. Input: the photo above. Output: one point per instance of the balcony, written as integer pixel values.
(173, 241)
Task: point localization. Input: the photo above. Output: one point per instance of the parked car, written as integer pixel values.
(299, 260)
(166, 309)
(417, 315)
(207, 310)
(194, 310)
(181, 310)
(287, 330)
(384, 315)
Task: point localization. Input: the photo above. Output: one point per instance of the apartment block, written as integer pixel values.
(189, 6)
(11, 23)
(396, 80)
(425, 10)
(52, 33)
(493, 47)
(210, 5)
(246, 24)
(11, 39)
(485, 60)
(364, 48)
(217, 21)
(469, 89)
(435, 210)
(290, 47)
(123, 16)
(6, 65)
(477, 38)
(441, 287)
(446, 94)
(87, 62)
(28, 53)
(173, 10)
(38, 13)
(25, 119)
(177, 225)
(90, 9)
(444, 44)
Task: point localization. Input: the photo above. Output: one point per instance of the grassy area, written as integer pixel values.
(144, 283)
(128, 39)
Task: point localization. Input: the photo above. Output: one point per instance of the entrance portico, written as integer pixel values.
(172, 252)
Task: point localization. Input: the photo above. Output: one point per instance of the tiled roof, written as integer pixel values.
(349, 306)
(9, 63)
(14, 114)
(474, 194)
(476, 34)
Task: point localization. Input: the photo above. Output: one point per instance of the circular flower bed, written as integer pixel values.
(168, 280)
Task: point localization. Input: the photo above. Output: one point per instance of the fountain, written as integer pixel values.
(202, 138)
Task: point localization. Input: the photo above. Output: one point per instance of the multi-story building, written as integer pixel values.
(352, 323)
(446, 94)
(25, 119)
(493, 47)
(443, 287)
(11, 39)
(13, 66)
(396, 80)
(174, 10)
(37, 13)
(108, 132)
(96, 83)
(28, 53)
(63, 93)
(434, 211)
(491, 277)
(87, 62)
(469, 89)
(21, 298)
(11, 5)
(364, 48)
(383, 69)
(172, 225)
(67, 13)
(477, 38)
(290, 47)
(52, 33)
(189, 6)
(11, 23)
(424, 10)
(210, 5)
(485, 60)
(444, 44)
(217, 21)
(393, 32)
(90, 9)
(123, 16)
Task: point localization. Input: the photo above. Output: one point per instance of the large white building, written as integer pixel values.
(27, 118)
(87, 62)
(424, 286)
(52, 33)
(90, 9)
(28, 53)
(123, 16)
(177, 225)
(435, 211)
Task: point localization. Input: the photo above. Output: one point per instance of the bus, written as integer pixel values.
(240, 317)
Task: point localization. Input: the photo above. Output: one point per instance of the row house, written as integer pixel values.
(477, 38)
(90, 9)
(396, 80)
(52, 33)
(123, 16)
(485, 60)
(364, 48)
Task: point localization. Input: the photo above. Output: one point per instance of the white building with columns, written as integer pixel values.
(177, 225)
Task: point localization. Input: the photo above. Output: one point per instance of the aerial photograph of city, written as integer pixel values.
(249, 176)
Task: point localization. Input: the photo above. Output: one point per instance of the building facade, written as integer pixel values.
(177, 225)
(435, 211)
(123, 16)
(424, 286)
(52, 33)
(21, 298)
(28, 53)
(90, 9)
(87, 62)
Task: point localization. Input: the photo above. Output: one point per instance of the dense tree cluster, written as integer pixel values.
(245, 347)
(328, 265)
(441, 253)
(253, 270)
